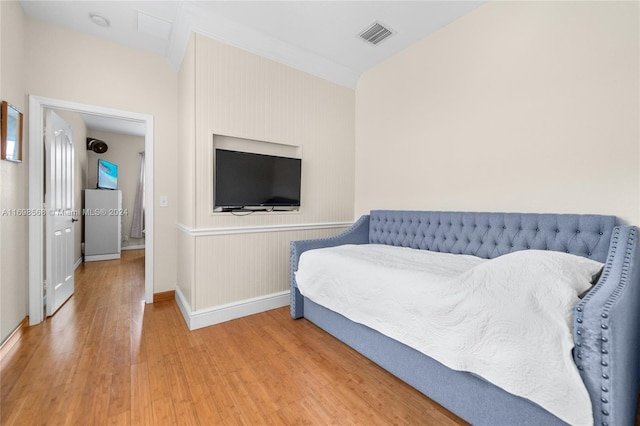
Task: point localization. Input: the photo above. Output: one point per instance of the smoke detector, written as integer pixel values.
(375, 33)
(101, 21)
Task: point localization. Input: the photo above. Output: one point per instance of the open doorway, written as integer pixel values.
(37, 106)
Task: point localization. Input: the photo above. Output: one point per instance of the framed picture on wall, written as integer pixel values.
(11, 132)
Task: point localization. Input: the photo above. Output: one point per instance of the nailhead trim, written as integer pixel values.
(615, 295)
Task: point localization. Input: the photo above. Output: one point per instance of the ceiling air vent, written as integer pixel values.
(375, 33)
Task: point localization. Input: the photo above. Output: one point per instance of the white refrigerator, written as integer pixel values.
(102, 224)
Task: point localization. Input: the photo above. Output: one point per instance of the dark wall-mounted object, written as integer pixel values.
(11, 132)
(97, 146)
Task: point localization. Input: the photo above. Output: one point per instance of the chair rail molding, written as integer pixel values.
(204, 232)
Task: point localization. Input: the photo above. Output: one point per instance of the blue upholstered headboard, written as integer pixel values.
(489, 235)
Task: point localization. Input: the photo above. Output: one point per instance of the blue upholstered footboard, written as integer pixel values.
(606, 321)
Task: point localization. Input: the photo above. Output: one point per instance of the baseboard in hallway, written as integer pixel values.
(137, 247)
(14, 337)
(163, 296)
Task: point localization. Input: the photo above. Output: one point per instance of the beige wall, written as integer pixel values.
(235, 93)
(13, 177)
(246, 96)
(518, 106)
(75, 67)
(187, 128)
(232, 268)
(123, 151)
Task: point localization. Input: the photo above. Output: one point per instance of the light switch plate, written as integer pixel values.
(164, 201)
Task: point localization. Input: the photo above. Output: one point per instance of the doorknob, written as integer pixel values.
(73, 220)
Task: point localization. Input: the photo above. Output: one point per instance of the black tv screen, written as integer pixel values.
(245, 180)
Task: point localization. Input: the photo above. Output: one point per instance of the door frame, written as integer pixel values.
(37, 104)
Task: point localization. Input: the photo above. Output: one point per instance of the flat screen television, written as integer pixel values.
(107, 175)
(244, 180)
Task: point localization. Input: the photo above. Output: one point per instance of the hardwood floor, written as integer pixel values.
(107, 358)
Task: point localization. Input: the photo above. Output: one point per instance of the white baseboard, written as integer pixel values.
(136, 247)
(98, 257)
(77, 263)
(217, 314)
(184, 307)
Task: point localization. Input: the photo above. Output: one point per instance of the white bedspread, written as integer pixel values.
(508, 319)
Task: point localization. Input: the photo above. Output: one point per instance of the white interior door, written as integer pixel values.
(59, 212)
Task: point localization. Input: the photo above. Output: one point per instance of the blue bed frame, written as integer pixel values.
(606, 321)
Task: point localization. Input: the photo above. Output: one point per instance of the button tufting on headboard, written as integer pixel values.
(490, 235)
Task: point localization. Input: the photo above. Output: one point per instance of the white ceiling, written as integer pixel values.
(318, 37)
(114, 125)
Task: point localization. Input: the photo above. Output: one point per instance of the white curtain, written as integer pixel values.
(137, 221)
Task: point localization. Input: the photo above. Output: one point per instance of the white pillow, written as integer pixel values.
(554, 268)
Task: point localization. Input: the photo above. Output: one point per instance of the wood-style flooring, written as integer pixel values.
(107, 358)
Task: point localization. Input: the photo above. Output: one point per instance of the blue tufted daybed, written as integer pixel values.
(606, 323)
